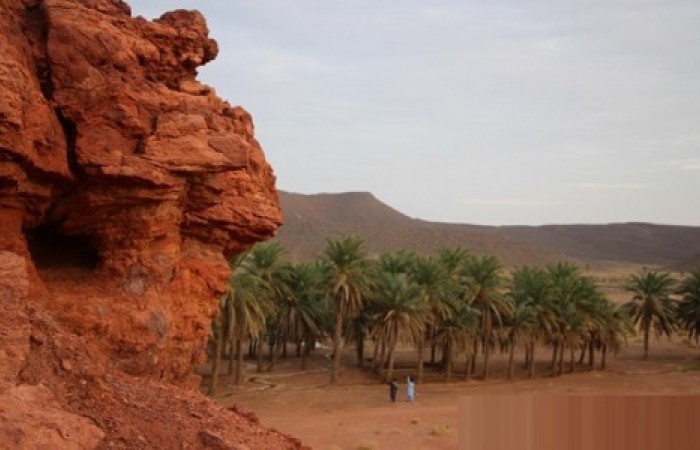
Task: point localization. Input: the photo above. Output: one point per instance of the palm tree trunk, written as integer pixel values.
(646, 342)
(274, 355)
(214, 380)
(591, 355)
(583, 353)
(572, 359)
(487, 352)
(421, 345)
(382, 357)
(337, 335)
(561, 358)
(433, 345)
(259, 353)
(526, 361)
(375, 353)
(444, 356)
(271, 348)
(604, 353)
(227, 344)
(448, 363)
(304, 352)
(360, 344)
(231, 356)
(531, 369)
(510, 358)
(485, 335)
(284, 348)
(646, 325)
(467, 367)
(390, 370)
(230, 338)
(238, 377)
(473, 360)
(553, 365)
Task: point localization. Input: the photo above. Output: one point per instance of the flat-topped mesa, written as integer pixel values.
(125, 182)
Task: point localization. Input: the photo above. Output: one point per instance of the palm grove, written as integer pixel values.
(451, 306)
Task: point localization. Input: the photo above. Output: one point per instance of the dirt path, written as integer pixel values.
(358, 415)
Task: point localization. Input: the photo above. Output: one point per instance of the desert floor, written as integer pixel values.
(356, 414)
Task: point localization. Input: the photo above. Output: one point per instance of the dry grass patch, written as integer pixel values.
(441, 431)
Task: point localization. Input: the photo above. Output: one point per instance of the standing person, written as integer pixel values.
(393, 389)
(410, 389)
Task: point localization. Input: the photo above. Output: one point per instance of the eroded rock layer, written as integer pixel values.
(124, 186)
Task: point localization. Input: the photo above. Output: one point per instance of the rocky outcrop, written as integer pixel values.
(125, 184)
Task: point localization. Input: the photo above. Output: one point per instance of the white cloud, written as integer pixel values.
(509, 202)
(612, 186)
(685, 164)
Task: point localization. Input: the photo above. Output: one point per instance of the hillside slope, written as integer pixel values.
(691, 263)
(642, 243)
(310, 219)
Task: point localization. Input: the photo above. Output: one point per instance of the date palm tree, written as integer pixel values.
(651, 305)
(347, 283)
(534, 286)
(519, 328)
(689, 305)
(453, 261)
(573, 298)
(457, 335)
(441, 294)
(248, 308)
(399, 261)
(483, 282)
(266, 265)
(613, 333)
(401, 313)
(244, 309)
(394, 262)
(301, 314)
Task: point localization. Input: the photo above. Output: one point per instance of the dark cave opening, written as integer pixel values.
(51, 249)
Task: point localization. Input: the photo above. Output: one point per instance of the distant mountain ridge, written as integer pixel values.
(311, 219)
(643, 243)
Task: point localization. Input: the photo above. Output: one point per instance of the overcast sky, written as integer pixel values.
(490, 112)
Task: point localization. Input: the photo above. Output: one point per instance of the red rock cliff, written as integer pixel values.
(124, 185)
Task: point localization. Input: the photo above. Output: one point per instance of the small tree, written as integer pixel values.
(347, 283)
(651, 305)
(689, 306)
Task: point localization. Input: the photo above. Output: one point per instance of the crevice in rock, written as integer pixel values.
(50, 249)
(36, 24)
(140, 147)
(70, 130)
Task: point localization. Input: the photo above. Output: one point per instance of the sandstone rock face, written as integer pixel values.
(125, 184)
(110, 144)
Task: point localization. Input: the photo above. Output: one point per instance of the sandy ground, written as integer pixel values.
(357, 414)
